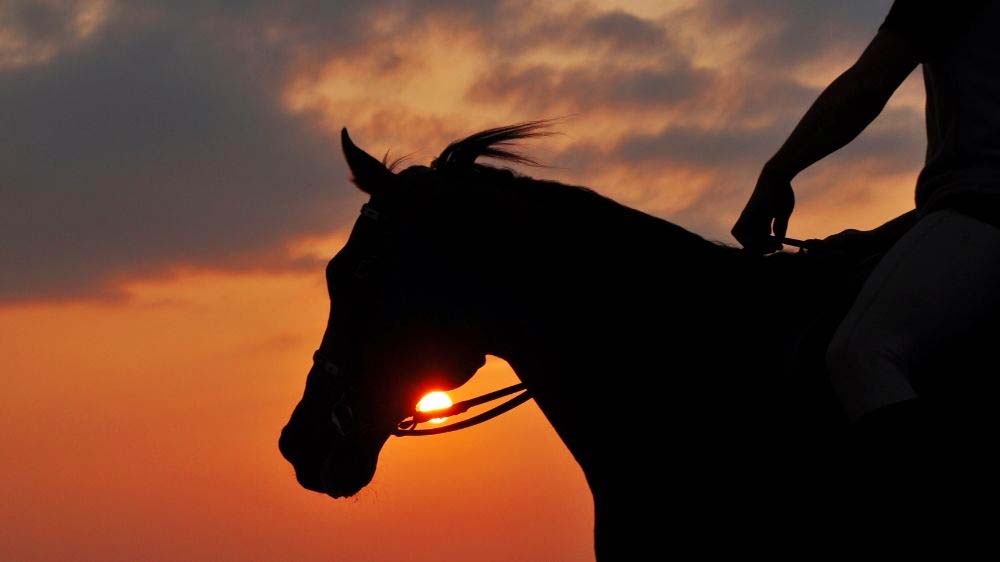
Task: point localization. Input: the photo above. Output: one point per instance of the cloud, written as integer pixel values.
(582, 27)
(149, 136)
(546, 89)
(34, 31)
(162, 142)
(793, 32)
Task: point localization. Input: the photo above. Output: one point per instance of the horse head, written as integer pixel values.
(402, 322)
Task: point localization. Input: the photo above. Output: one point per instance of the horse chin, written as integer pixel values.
(349, 468)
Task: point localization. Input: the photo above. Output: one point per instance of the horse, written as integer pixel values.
(720, 352)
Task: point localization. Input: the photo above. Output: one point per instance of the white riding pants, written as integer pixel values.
(941, 278)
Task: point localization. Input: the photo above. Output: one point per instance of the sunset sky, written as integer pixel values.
(171, 186)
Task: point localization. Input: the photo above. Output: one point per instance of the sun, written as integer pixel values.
(436, 400)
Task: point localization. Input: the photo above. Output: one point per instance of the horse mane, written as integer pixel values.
(501, 143)
(496, 143)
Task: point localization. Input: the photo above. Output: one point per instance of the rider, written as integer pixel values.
(941, 274)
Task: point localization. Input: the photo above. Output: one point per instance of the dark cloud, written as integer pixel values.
(40, 22)
(162, 144)
(33, 31)
(615, 32)
(640, 63)
(546, 89)
(796, 31)
(895, 142)
(725, 121)
(520, 27)
(697, 147)
(730, 159)
(142, 136)
(621, 30)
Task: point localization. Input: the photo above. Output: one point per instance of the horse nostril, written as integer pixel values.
(287, 444)
(305, 457)
(310, 478)
(349, 468)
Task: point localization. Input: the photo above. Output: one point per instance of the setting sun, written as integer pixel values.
(436, 400)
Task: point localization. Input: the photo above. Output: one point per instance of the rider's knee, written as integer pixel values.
(868, 369)
(863, 351)
(842, 353)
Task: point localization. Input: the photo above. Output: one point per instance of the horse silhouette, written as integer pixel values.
(718, 352)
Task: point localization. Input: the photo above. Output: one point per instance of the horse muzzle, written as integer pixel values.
(348, 468)
(327, 462)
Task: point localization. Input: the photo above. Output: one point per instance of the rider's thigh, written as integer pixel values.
(938, 286)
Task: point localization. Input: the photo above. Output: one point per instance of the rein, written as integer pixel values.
(407, 427)
(344, 420)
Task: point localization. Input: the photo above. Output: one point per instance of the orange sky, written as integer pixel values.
(149, 431)
(176, 186)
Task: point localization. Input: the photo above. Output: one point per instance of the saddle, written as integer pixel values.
(842, 277)
(832, 284)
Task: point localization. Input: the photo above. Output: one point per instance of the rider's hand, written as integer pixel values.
(769, 208)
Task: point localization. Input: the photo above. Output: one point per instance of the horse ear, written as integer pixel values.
(370, 175)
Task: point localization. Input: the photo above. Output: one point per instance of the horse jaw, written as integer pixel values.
(350, 466)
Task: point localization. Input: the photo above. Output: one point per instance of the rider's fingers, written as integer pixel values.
(781, 225)
(765, 244)
(752, 229)
(751, 240)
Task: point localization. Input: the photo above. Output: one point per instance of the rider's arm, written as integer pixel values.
(914, 31)
(840, 113)
(847, 105)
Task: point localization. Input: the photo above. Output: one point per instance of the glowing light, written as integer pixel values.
(432, 401)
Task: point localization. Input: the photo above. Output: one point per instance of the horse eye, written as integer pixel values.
(365, 268)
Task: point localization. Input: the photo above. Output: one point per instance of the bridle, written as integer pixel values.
(346, 423)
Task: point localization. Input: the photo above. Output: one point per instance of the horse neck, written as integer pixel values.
(568, 266)
(585, 299)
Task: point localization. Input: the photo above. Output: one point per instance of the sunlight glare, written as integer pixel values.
(436, 400)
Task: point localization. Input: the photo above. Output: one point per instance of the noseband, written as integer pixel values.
(346, 423)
